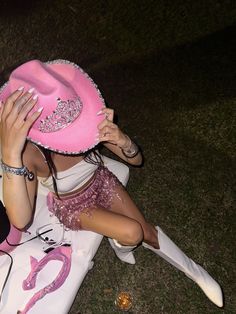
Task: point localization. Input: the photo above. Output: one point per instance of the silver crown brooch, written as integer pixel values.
(65, 113)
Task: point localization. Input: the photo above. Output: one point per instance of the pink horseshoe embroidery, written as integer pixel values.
(60, 253)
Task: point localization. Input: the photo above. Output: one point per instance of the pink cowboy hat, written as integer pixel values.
(70, 101)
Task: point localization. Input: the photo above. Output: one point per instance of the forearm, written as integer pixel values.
(16, 200)
(19, 205)
(134, 161)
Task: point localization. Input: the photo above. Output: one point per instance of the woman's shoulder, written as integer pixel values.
(34, 159)
(31, 152)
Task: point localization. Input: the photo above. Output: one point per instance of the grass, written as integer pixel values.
(168, 69)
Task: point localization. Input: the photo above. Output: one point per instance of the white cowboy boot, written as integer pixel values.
(172, 254)
(123, 252)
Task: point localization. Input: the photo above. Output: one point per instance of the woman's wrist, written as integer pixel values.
(19, 170)
(127, 144)
(130, 150)
(12, 158)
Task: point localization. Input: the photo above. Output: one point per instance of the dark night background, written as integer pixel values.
(168, 68)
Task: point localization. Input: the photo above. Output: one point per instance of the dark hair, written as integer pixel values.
(92, 156)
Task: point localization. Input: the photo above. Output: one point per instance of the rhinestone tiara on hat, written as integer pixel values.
(65, 113)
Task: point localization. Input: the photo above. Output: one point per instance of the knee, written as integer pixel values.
(134, 234)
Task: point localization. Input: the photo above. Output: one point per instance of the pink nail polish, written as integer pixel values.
(21, 88)
(35, 97)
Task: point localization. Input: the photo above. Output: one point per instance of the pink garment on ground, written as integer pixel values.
(61, 253)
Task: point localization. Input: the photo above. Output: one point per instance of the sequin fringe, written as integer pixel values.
(99, 193)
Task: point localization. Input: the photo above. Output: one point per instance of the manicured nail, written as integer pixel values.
(100, 112)
(21, 88)
(35, 97)
(40, 109)
(31, 90)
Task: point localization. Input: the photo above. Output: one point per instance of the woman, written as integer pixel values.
(51, 121)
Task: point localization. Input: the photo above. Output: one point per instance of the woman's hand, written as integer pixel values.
(116, 141)
(110, 132)
(15, 124)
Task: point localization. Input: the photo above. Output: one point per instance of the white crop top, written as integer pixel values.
(70, 179)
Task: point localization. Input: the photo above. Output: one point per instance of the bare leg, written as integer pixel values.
(123, 222)
(123, 204)
(126, 230)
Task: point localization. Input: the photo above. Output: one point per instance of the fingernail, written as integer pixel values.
(40, 109)
(35, 97)
(100, 112)
(31, 90)
(21, 88)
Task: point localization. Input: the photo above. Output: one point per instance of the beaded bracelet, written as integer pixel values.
(21, 171)
(132, 151)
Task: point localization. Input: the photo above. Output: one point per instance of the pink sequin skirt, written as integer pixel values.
(98, 193)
